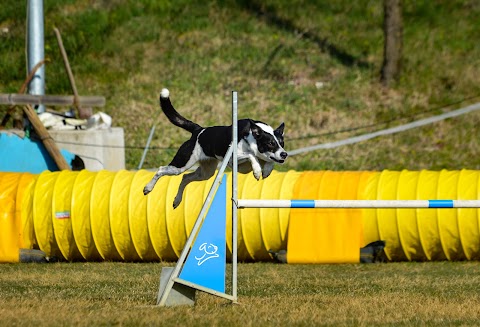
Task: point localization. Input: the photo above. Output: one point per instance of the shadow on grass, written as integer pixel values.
(269, 14)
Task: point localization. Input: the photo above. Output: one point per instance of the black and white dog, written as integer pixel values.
(259, 147)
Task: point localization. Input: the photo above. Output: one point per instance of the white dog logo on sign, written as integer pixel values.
(210, 252)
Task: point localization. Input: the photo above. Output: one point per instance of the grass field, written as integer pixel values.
(313, 64)
(124, 294)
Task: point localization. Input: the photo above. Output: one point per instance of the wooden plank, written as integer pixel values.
(83, 113)
(47, 140)
(51, 100)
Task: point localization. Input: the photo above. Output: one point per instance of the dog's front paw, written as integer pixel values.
(257, 174)
(267, 169)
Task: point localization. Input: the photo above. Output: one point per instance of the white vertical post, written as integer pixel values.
(36, 48)
(234, 194)
(140, 165)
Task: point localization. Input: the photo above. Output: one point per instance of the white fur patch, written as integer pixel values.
(165, 93)
(265, 127)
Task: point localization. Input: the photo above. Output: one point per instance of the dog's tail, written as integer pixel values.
(172, 115)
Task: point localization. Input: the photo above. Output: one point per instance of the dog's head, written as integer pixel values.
(269, 142)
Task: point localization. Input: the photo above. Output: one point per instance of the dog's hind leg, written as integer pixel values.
(162, 171)
(203, 172)
(183, 160)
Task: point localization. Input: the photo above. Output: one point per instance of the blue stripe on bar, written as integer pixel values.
(440, 203)
(302, 203)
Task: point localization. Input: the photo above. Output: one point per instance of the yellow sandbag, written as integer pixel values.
(342, 227)
(305, 228)
(367, 190)
(26, 205)
(286, 192)
(100, 215)
(120, 228)
(346, 224)
(137, 213)
(250, 221)
(387, 218)
(407, 218)
(273, 225)
(24, 186)
(177, 233)
(324, 235)
(242, 251)
(157, 220)
(447, 218)
(61, 214)
(427, 218)
(80, 215)
(348, 190)
(228, 206)
(42, 214)
(9, 240)
(468, 220)
(269, 220)
(193, 199)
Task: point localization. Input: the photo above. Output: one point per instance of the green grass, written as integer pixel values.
(273, 53)
(108, 294)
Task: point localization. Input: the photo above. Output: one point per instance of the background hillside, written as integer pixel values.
(312, 64)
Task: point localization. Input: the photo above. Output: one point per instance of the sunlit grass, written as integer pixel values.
(86, 294)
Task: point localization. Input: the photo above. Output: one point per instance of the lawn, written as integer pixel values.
(124, 294)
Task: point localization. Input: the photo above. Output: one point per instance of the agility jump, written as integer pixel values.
(174, 289)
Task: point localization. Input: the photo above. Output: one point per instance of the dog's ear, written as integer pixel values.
(279, 130)
(256, 131)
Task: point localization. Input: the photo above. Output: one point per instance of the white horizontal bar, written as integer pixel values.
(438, 204)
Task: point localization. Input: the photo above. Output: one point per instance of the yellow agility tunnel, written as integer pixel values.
(105, 216)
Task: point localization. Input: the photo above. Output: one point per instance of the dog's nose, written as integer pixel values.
(284, 155)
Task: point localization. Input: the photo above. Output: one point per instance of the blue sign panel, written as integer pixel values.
(206, 262)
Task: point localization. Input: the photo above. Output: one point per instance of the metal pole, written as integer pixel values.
(146, 147)
(234, 194)
(36, 48)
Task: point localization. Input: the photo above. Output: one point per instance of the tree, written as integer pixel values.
(393, 43)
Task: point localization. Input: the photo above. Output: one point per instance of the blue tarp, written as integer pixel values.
(24, 155)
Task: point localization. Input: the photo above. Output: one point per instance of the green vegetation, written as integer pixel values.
(124, 294)
(314, 65)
